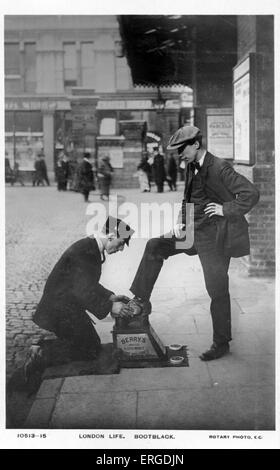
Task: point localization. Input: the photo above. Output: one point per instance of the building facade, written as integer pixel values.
(68, 86)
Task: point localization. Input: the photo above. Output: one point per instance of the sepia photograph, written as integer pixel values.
(139, 206)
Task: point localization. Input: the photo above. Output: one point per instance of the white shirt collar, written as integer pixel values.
(202, 158)
(99, 242)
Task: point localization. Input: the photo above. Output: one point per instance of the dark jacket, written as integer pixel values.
(62, 171)
(159, 169)
(223, 185)
(86, 177)
(172, 167)
(73, 286)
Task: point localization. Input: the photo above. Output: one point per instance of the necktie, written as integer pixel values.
(189, 177)
(103, 259)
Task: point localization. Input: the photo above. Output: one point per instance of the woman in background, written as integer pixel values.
(104, 174)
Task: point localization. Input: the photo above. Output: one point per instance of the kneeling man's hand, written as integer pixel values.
(119, 309)
(119, 298)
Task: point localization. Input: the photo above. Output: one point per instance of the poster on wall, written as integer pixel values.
(243, 112)
(220, 132)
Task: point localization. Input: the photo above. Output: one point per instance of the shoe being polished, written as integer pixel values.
(139, 306)
(215, 352)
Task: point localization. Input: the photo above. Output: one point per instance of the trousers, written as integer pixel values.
(215, 265)
(80, 332)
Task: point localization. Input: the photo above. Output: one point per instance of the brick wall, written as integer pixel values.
(256, 34)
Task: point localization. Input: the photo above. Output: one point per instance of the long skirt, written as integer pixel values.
(143, 181)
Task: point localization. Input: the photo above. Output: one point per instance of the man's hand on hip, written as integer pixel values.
(214, 209)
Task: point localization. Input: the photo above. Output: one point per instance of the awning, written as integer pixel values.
(172, 49)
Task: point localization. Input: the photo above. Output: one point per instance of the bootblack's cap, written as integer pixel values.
(182, 135)
(119, 228)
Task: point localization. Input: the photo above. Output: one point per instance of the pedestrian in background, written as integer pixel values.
(37, 175)
(104, 174)
(158, 169)
(62, 171)
(43, 167)
(8, 169)
(86, 177)
(143, 170)
(171, 173)
(17, 176)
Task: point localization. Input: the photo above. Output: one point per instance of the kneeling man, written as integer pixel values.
(73, 288)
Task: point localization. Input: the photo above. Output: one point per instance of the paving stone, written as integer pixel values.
(219, 408)
(40, 414)
(104, 410)
(239, 369)
(50, 388)
(196, 375)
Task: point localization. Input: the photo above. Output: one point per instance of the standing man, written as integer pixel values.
(37, 175)
(72, 293)
(158, 169)
(62, 171)
(43, 166)
(172, 173)
(86, 176)
(220, 198)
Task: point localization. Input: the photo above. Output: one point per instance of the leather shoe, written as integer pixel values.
(215, 352)
(145, 306)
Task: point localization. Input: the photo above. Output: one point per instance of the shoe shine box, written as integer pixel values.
(137, 341)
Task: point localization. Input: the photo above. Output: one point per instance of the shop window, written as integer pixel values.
(28, 121)
(70, 65)
(23, 137)
(87, 64)
(30, 67)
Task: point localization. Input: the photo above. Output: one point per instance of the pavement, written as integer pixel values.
(236, 392)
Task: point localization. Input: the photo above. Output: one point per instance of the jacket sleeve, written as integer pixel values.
(246, 194)
(87, 290)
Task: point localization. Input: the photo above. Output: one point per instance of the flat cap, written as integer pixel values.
(181, 136)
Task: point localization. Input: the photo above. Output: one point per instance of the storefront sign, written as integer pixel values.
(186, 99)
(35, 105)
(220, 133)
(244, 111)
(172, 104)
(124, 104)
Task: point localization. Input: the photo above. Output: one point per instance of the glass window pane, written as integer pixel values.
(12, 59)
(30, 67)
(70, 61)
(28, 121)
(87, 64)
